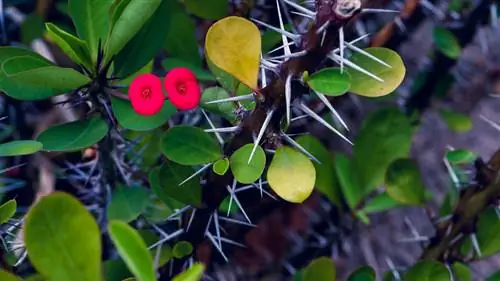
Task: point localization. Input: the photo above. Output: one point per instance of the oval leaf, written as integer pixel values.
(133, 250)
(347, 179)
(74, 135)
(446, 42)
(427, 271)
(367, 86)
(224, 109)
(20, 147)
(243, 171)
(319, 269)
(194, 273)
(127, 203)
(188, 145)
(488, 226)
(75, 48)
(129, 119)
(7, 211)
(291, 175)
(63, 240)
(234, 44)
(170, 176)
(461, 156)
(381, 202)
(403, 182)
(364, 273)
(210, 10)
(182, 249)
(221, 166)
(330, 81)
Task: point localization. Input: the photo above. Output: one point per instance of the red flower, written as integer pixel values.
(182, 88)
(146, 94)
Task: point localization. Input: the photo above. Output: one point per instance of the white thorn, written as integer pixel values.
(302, 14)
(212, 239)
(191, 219)
(300, 8)
(261, 133)
(231, 194)
(282, 27)
(323, 36)
(313, 114)
(288, 98)
(350, 64)
(323, 27)
(364, 11)
(492, 123)
(395, 273)
(263, 78)
(450, 272)
(219, 137)
(475, 243)
(299, 147)
(281, 47)
(232, 242)
(414, 239)
(196, 173)
(452, 173)
(299, 117)
(217, 228)
(341, 46)
(361, 29)
(432, 8)
(166, 238)
(290, 55)
(237, 98)
(223, 130)
(237, 221)
(329, 105)
(207, 227)
(400, 23)
(238, 203)
(260, 187)
(280, 31)
(363, 52)
(352, 42)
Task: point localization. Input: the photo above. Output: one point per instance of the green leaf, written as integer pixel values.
(150, 238)
(461, 272)
(291, 175)
(131, 20)
(63, 239)
(320, 269)
(403, 182)
(35, 277)
(456, 122)
(488, 226)
(129, 119)
(31, 28)
(347, 179)
(127, 203)
(271, 38)
(446, 42)
(170, 176)
(364, 85)
(76, 49)
(91, 21)
(200, 73)
(19, 147)
(181, 32)
(188, 145)
(427, 271)
(7, 210)
(243, 171)
(385, 136)
(330, 81)
(194, 273)
(182, 249)
(224, 109)
(74, 135)
(166, 201)
(115, 270)
(381, 202)
(364, 273)
(210, 10)
(143, 47)
(133, 250)
(221, 166)
(325, 181)
(6, 276)
(224, 206)
(148, 68)
(461, 156)
(494, 277)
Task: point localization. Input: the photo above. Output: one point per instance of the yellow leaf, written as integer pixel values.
(291, 175)
(234, 44)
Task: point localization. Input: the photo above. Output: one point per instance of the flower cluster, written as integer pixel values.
(147, 96)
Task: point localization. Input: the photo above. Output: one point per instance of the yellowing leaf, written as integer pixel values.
(291, 175)
(234, 44)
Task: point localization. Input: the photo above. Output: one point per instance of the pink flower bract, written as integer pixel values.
(146, 94)
(182, 88)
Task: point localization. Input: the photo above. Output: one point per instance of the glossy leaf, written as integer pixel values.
(194, 273)
(210, 10)
(381, 202)
(446, 42)
(74, 135)
(6, 276)
(321, 268)
(131, 20)
(325, 180)
(129, 119)
(461, 156)
(221, 166)
(200, 73)
(224, 109)
(63, 239)
(19, 147)
(133, 250)
(330, 81)
(127, 203)
(90, 18)
(291, 175)
(243, 171)
(136, 53)
(7, 211)
(427, 271)
(403, 182)
(456, 122)
(181, 32)
(170, 176)
(385, 136)
(364, 85)
(182, 249)
(364, 273)
(148, 68)
(75, 48)
(188, 145)
(488, 226)
(234, 45)
(347, 178)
